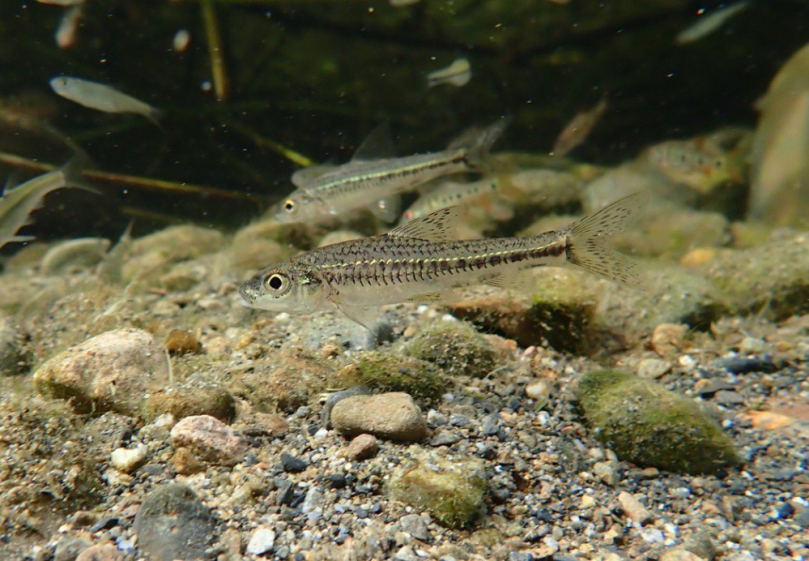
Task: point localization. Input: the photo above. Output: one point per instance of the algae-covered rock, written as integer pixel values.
(560, 313)
(455, 347)
(772, 279)
(648, 425)
(451, 489)
(112, 371)
(387, 372)
(191, 398)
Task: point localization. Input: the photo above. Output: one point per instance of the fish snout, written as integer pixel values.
(250, 291)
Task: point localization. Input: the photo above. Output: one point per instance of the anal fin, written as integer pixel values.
(513, 279)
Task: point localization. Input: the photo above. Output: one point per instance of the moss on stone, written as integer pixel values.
(451, 490)
(648, 425)
(391, 373)
(455, 347)
(191, 398)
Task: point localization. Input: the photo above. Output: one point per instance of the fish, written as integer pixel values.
(63, 3)
(578, 129)
(421, 262)
(68, 27)
(327, 191)
(707, 24)
(17, 203)
(457, 74)
(101, 97)
(452, 193)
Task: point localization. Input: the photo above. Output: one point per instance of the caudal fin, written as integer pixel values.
(587, 247)
(478, 143)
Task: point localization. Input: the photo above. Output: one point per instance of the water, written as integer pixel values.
(122, 316)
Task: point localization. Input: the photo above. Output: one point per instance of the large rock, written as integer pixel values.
(648, 425)
(112, 371)
(393, 416)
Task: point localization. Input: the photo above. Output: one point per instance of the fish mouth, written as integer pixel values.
(249, 291)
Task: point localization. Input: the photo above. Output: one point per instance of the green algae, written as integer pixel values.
(648, 425)
(390, 373)
(451, 490)
(454, 347)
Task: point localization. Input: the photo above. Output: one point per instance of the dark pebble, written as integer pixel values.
(292, 464)
(152, 469)
(459, 420)
(361, 513)
(376, 508)
(740, 365)
(105, 524)
(286, 492)
(283, 552)
(172, 523)
(802, 518)
(336, 480)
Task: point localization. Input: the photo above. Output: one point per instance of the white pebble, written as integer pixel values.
(126, 460)
(261, 542)
(539, 390)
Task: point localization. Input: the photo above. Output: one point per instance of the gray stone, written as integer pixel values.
(261, 542)
(393, 416)
(172, 523)
(416, 526)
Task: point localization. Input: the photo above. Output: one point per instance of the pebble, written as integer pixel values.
(392, 416)
(680, 555)
(741, 365)
(416, 526)
(292, 464)
(362, 447)
(312, 500)
(172, 523)
(668, 338)
(751, 345)
(209, 439)
(653, 368)
(180, 343)
(633, 508)
(607, 472)
(112, 371)
(261, 542)
(127, 459)
(726, 397)
(538, 391)
(101, 552)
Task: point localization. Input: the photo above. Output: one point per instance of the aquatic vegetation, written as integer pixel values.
(454, 347)
(391, 373)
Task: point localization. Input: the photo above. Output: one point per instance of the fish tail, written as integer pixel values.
(586, 241)
(74, 175)
(478, 144)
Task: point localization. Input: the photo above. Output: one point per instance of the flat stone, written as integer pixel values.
(210, 440)
(172, 523)
(393, 416)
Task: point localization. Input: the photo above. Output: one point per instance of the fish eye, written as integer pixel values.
(289, 205)
(277, 283)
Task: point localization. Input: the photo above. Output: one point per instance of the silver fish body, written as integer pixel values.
(449, 194)
(360, 183)
(100, 97)
(416, 262)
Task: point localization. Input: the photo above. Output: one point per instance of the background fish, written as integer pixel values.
(457, 74)
(17, 204)
(101, 97)
(331, 191)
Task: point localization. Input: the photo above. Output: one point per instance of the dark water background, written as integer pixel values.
(316, 76)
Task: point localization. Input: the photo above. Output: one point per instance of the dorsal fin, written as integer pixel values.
(304, 176)
(438, 226)
(377, 145)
